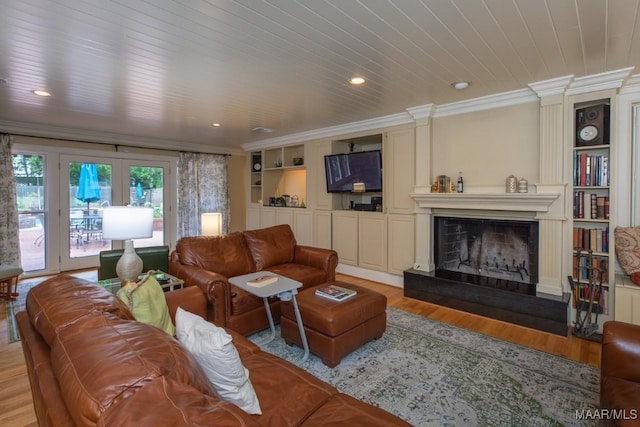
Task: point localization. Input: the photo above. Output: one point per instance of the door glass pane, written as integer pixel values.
(146, 189)
(29, 172)
(89, 193)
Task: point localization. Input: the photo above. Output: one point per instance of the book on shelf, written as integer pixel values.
(260, 281)
(591, 170)
(336, 293)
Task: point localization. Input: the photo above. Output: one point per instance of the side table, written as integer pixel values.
(113, 285)
(285, 289)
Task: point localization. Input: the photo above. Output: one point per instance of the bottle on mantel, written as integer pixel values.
(460, 184)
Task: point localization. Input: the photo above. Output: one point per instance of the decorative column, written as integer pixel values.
(551, 258)
(424, 221)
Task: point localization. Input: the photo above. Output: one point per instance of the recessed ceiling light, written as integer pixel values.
(41, 93)
(357, 81)
(460, 85)
(216, 125)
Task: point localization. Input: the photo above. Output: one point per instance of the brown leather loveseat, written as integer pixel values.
(208, 262)
(91, 364)
(620, 374)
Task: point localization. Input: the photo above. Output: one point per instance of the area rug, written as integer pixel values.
(433, 374)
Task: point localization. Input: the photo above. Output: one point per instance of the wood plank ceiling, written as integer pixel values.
(164, 70)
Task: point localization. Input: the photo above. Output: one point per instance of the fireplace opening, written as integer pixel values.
(500, 254)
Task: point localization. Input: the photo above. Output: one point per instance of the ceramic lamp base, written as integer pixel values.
(129, 266)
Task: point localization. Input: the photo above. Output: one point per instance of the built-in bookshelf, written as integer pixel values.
(591, 191)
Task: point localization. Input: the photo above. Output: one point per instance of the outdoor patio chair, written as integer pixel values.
(9, 281)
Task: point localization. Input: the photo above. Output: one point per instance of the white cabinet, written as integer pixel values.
(322, 229)
(303, 226)
(268, 217)
(399, 148)
(401, 246)
(627, 301)
(253, 218)
(372, 241)
(345, 236)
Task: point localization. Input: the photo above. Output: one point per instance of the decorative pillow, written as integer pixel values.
(218, 357)
(628, 251)
(147, 303)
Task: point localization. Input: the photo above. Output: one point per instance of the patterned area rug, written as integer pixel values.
(433, 374)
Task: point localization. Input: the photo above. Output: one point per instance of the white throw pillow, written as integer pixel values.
(213, 349)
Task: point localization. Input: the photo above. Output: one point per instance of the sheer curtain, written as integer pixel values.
(202, 187)
(9, 229)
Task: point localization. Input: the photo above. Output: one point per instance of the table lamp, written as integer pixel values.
(127, 223)
(211, 224)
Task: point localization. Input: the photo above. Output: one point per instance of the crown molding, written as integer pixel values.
(339, 130)
(602, 81)
(631, 85)
(551, 87)
(422, 111)
(506, 99)
(84, 135)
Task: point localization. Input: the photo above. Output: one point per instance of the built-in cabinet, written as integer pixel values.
(375, 241)
(381, 241)
(278, 172)
(300, 221)
(627, 301)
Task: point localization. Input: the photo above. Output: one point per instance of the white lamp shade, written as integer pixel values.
(127, 222)
(211, 224)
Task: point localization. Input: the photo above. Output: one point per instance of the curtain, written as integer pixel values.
(9, 230)
(202, 188)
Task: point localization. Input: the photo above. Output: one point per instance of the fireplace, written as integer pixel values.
(493, 254)
(488, 252)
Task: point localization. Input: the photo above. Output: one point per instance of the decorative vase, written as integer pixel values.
(512, 184)
(523, 186)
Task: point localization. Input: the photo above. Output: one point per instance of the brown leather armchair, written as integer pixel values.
(208, 262)
(620, 374)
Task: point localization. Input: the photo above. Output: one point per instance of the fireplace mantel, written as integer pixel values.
(521, 202)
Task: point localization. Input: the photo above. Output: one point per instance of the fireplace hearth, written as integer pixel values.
(509, 301)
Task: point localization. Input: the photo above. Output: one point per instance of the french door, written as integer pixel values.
(90, 184)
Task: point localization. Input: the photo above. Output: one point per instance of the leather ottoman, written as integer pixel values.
(335, 328)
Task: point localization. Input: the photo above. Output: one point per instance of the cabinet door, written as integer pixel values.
(322, 229)
(253, 218)
(399, 171)
(401, 249)
(268, 217)
(303, 226)
(284, 216)
(345, 236)
(627, 304)
(372, 241)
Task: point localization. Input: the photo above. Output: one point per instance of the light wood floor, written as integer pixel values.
(16, 406)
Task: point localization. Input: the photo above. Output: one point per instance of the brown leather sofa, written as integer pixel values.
(620, 374)
(91, 364)
(208, 262)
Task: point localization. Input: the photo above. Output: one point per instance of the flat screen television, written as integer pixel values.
(343, 170)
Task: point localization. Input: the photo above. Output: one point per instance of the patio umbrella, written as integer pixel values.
(88, 185)
(139, 191)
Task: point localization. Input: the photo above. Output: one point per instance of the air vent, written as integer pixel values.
(261, 129)
(4, 82)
